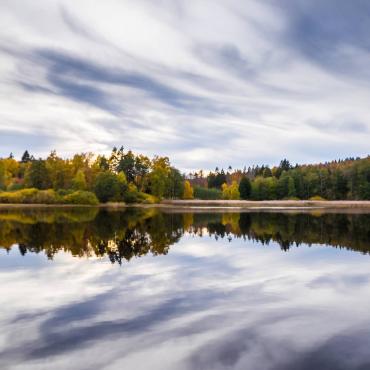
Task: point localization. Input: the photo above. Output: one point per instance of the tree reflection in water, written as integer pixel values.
(123, 234)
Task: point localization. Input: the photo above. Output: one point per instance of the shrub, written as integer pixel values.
(26, 196)
(45, 197)
(147, 198)
(15, 186)
(81, 197)
(317, 198)
(20, 196)
(131, 195)
(206, 193)
(34, 196)
(63, 192)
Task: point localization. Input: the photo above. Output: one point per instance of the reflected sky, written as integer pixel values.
(206, 304)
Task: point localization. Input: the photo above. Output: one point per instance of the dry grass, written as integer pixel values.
(343, 204)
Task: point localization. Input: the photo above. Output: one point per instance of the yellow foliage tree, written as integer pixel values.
(230, 192)
(188, 190)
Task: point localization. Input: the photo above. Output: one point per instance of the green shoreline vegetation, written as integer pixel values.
(124, 177)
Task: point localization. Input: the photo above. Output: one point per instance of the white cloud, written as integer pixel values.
(206, 83)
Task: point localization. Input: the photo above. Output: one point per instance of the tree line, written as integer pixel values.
(124, 176)
(121, 176)
(347, 179)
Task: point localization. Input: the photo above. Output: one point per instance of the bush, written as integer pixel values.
(147, 198)
(34, 196)
(15, 186)
(44, 197)
(20, 196)
(131, 195)
(63, 192)
(317, 198)
(206, 193)
(80, 197)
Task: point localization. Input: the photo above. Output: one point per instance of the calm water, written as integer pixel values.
(82, 289)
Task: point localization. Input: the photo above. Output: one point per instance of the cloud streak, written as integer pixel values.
(216, 83)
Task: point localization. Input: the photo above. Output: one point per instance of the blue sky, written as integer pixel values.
(205, 82)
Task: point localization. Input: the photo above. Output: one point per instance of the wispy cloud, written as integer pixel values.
(210, 83)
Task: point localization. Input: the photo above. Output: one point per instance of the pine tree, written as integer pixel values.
(245, 188)
(26, 157)
(37, 175)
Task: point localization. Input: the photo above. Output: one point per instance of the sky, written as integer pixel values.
(207, 83)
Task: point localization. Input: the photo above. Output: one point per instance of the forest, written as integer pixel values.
(124, 176)
(347, 179)
(88, 179)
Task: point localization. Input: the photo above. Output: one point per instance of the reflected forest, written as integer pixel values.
(122, 235)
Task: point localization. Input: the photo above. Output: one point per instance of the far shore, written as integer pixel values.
(249, 204)
(207, 205)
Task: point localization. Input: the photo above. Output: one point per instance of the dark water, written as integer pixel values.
(141, 289)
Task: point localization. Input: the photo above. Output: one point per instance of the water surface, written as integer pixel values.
(144, 289)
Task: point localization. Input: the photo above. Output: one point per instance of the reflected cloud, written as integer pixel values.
(205, 303)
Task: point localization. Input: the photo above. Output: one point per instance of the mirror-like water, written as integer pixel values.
(145, 289)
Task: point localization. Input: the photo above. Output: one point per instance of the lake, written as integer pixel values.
(147, 289)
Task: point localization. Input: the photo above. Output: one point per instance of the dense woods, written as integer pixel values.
(337, 180)
(88, 179)
(124, 176)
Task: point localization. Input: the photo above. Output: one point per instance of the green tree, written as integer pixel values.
(282, 186)
(2, 175)
(245, 188)
(291, 188)
(175, 184)
(126, 164)
(107, 187)
(159, 176)
(123, 186)
(79, 181)
(37, 175)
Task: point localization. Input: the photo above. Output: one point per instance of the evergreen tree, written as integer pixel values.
(245, 188)
(26, 157)
(126, 164)
(37, 175)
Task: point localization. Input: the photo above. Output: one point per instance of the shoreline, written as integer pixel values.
(217, 204)
(271, 204)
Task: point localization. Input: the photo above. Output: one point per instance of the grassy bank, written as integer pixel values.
(50, 197)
